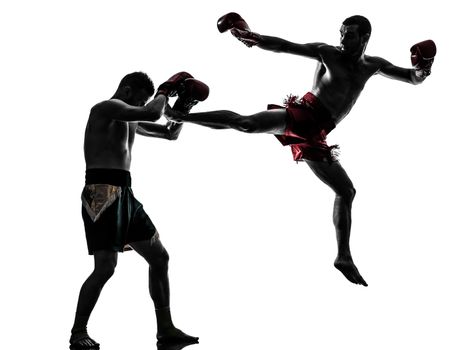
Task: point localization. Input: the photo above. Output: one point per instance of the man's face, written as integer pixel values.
(350, 40)
(138, 98)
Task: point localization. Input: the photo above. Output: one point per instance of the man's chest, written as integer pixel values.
(123, 132)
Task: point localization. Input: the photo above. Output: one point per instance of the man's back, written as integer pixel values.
(108, 142)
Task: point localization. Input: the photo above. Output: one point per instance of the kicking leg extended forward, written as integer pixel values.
(271, 121)
(335, 176)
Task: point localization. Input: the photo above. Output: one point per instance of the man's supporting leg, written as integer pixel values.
(104, 265)
(271, 121)
(336, 178)
(157, 257)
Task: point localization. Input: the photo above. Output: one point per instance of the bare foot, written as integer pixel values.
(174, 335)
(174, 346)
(349, 270)
(82, 341)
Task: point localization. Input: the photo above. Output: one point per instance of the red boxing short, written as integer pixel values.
(308, 125)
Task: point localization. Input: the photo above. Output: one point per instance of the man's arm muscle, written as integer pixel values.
(170, 131)
(119, 110)
(391, 71)
(271, 43)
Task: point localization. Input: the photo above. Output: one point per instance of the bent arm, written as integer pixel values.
(406, 75)
(170, 131)
(271, 43)
(119, 110)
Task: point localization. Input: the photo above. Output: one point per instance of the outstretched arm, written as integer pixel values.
(241, 30)
(271, 43)
(422, 57)
(412, 76)
(275, 44)
(170, 131)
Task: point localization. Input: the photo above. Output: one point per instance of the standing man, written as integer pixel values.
(341, 75)
(114, 220)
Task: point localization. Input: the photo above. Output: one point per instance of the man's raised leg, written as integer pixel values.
(104, 266)
(157, 257)
(271, 121)
(336, 178)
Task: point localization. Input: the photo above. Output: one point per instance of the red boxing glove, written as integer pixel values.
(190, 92)
(422, 55)
(239, 28)
(169, 88)
(230, 21)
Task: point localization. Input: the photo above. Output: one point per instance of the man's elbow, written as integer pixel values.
(172, 136)
(414, 80)
(418, 76)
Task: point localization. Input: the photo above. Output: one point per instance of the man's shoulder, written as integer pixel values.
(327, 50)
(322, 46)
(106, 108)
(374, 59)
(321, 51)
(107, 105)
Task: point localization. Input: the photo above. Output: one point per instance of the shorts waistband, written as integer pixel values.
(309, 100)
(116, 177)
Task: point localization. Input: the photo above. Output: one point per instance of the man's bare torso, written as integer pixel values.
(339, 80)
(108, 142)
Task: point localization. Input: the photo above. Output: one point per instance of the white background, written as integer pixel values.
(249, 230)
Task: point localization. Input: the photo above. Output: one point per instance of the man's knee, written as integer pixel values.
(247, 124)
(105, 266)
(353, 192)
(160, 259)
(347, 194)
(104, 271)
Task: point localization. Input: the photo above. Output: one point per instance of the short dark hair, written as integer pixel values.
(138, 81)
(364, 26)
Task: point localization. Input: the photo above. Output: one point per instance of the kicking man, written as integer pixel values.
(304, 123)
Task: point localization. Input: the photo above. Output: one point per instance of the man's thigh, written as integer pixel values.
(332, 174)
(273, 121)
(150, 249)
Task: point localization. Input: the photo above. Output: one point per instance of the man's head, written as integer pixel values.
(135, 89)
(355, 32)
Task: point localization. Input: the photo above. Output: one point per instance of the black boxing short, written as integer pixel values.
(112, 216)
